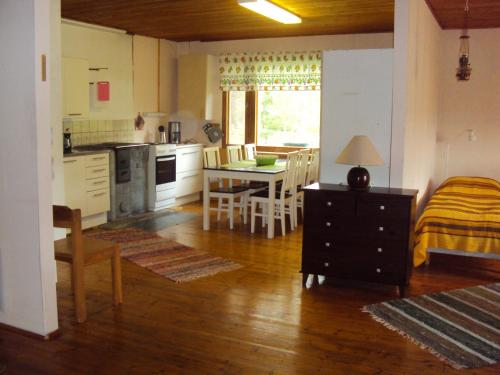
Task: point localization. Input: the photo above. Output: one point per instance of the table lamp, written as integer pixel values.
(360, 151)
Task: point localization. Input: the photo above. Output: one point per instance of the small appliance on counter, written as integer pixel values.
(67, 142)
(174, 132)
(163, 137)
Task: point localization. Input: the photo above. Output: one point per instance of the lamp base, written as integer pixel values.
(358, 178)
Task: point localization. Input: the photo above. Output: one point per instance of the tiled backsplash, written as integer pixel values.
(85, 132)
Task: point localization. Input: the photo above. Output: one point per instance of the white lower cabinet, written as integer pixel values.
(86, 183)
(189, 173)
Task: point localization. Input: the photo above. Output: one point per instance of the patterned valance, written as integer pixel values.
(261, 71)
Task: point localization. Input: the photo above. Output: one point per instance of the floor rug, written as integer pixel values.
(152, 221)
(462, 327)
(164, 257)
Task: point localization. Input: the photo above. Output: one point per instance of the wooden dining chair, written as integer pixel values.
(284, 200)
(80, 251)
(211, 159)
(234, 153)
(313, 169)
(250, 150)
(303, 165)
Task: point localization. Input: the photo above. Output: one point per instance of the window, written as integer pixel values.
(236, 133)
(288, 118)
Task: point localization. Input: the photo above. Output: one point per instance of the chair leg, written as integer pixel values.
(116, 271)
(264, 214)
(219, 208)
(231, 212)
(79, 291)
(282, 217)
(252, 215)
(245, 208)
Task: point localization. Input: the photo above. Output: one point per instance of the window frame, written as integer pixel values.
(251, 120)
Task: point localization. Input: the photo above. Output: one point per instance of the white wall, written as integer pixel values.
(473, 104)
(109, 49)
(415, 96)
(27, 266)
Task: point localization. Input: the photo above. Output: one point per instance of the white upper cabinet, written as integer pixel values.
(356, 99)
(75, 81)
(199, 94)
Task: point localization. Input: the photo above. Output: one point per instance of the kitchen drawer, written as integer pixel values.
(97, 171)
(96, 160)
(189, 159)
(98, 201)
(188, 183)
(97, 183)
(375, 206)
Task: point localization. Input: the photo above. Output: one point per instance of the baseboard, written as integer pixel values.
(187, 199)
(22, 332)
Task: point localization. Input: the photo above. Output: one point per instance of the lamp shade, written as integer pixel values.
(359, 151)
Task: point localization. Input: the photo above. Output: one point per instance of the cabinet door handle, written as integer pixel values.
(99, 182)
(379, 270)
(69, 161)
(99, 158)
(191, 152)
(98, 194)
(327, 244)
(74, 114)
(99, 170)
(382, 208)
(327, 264)
(379, 250)
(380, 229)
(329, 204)
(328, 224)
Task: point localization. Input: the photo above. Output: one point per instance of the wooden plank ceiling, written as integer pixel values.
(450, 13)
(189, 20)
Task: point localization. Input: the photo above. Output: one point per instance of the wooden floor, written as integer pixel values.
(256, 320)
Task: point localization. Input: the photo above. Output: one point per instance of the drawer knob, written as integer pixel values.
(327, 244)
(380, 229)
(327, 264)
(382, 208)
(329, 204)
(379, 250)
(328, 224)
(379, 270)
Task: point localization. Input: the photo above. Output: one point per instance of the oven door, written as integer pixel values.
(165, 169)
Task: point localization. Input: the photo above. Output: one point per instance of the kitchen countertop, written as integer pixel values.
(188, 145)
(82, 153)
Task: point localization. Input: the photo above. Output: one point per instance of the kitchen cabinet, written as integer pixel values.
(199, 86)
(86, 184)
(189, 173)
(75, 87)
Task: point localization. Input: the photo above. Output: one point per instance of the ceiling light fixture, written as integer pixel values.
(464, 69)
(270, 10)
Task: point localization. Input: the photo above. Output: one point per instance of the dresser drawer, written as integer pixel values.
(384, 229)
(380, 206)
(330, 224)
(330, 203)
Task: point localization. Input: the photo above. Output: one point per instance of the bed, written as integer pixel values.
(462, 217)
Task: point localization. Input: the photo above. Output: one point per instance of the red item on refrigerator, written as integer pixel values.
(103, 91)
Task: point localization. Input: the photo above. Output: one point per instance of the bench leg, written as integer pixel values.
(116, 270)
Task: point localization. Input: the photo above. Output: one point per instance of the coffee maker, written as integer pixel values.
(174, 132)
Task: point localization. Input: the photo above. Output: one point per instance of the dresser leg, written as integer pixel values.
(402, 290)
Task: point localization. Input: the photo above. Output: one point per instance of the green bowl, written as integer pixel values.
(262, 160)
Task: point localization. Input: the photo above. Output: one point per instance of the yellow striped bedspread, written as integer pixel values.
(462, 214)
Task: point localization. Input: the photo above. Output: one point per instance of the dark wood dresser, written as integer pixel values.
(364, 236)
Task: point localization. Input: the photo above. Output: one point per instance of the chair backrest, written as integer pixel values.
(303, 165)
(234, 153)
(289, 182)
(65, 217)
(250, 151)
(313, 171)
(211, 157)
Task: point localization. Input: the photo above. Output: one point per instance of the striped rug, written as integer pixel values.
(461, 326)
(164, 257)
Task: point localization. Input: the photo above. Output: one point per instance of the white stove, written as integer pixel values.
(161, 176)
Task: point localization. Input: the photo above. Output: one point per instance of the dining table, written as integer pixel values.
(244, 170)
